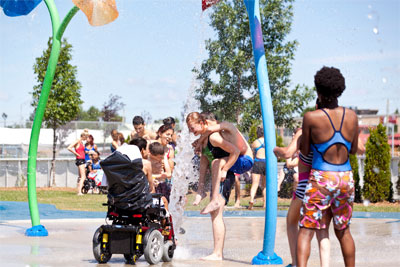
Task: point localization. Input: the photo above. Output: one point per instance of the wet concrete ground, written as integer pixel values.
(70, 243)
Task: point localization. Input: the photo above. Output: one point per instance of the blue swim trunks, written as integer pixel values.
(243, 164)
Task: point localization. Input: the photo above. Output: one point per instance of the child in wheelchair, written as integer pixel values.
(138, 223)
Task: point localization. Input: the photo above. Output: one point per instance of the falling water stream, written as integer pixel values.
(184, 172)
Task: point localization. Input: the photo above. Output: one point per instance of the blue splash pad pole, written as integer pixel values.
(267, 255)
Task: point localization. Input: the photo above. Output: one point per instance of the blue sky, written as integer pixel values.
(147, 54)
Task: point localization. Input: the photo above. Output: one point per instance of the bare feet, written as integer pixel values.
(214, 204)
(212, 257)
(198, 198)
(250, 205)
(237, 204)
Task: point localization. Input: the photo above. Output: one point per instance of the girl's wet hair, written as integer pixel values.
(197, 117)
(260, 131)
(208, 116)
(169, 120)
(163, 128)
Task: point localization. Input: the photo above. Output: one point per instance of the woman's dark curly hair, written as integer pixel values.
(329, 83)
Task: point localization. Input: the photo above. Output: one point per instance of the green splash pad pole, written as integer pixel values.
(58, 30)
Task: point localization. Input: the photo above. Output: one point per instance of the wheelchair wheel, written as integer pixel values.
(168, 251)
(101, 256)
(84, 190)
(131, 258)
(85, 187)
(153, 248)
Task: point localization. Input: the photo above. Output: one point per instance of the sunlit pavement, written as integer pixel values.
(70, 243)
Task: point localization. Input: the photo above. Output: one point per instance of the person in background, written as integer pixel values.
(140, 129)
(160, 170)
(141, 143)
(78, 149)
(114, 143)
(164, 137)
(258, 170)
(89, 146)
(174, 137)
(121, 139)
(95, 171)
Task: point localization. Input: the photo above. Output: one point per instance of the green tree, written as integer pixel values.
(356, 177)
(111, 108)
(92, 114)
(377, 176)
(228, 85)
(253, 131)
(64, 98)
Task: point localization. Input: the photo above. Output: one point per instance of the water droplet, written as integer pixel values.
(376, 170)
(370, 16)
(366, 202)
(375, 30)
(384, 80)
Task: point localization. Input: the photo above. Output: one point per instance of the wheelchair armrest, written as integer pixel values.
(156, 195)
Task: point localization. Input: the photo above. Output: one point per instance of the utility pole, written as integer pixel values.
(387, 117)
(4, 115)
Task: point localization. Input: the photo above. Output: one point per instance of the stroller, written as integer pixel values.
(137, 222)
(93, 182)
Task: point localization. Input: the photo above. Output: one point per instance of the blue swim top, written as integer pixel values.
(319, 163)
(262, 145)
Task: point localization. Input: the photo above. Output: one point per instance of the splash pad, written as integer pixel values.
(101, 12)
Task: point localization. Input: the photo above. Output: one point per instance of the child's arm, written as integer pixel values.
(217, 140)
(149, 174)
(222, 126)
(287, 152)
(167, 169)
(71, 147)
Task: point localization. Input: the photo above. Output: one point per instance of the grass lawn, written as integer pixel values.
(66, 199)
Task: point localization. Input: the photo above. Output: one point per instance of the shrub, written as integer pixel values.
(253, 131)
(377, 174)
(398, 181)
(356, 176)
